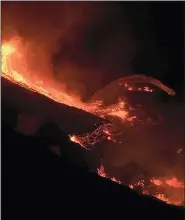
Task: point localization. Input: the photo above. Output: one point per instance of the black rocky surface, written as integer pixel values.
(38, 184)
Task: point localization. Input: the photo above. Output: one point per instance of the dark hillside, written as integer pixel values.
(41, 185)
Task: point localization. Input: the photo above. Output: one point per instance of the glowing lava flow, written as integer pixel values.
(101, 172)
(12, 53)
(10, 66)
(173, 182)
(13, 59)
(15, 69)
(144, 79)
(89, 139)
(160, 192)
(174, 189)
(129, 83)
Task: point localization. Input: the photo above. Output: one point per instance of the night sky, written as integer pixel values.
(97, 42)
(164, 58)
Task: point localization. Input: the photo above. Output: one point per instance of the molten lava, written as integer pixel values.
(170, 195)
(101, 172)
(10, 55)
(15, 69)
(89, 139)
(13, 60)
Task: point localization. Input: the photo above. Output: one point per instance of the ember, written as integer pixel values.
(179, 151)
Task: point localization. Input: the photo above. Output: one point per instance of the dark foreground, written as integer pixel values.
(38, 184)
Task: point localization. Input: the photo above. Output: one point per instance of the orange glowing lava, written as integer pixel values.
(13, 69)
(101, 172)
(169, 196)
(174, 182)
(156, 182)
(12, 52)
(88, 140)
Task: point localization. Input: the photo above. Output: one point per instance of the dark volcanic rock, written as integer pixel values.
(40, 185)
(132, 172)
(25, 102)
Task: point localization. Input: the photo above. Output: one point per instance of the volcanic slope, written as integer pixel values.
(45, 186)
(30, 103)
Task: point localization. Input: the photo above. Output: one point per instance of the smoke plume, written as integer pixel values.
(83, 45)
